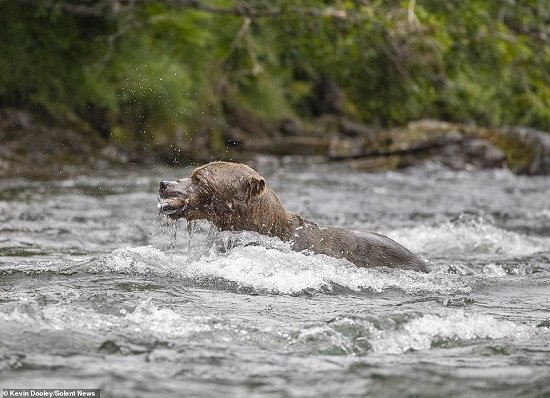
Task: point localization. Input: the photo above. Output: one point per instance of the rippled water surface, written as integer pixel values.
(95, 291)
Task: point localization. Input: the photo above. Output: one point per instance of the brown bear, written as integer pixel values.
(234, 197)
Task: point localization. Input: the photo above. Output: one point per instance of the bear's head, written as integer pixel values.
(218, 192)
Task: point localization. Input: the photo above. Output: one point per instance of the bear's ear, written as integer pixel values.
(256, 187)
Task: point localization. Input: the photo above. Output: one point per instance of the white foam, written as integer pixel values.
(398, 333)
(420, 333)
(146, 319)
(477, 238)
(24, 311)
(137, 260)
(345, 335)
(275, 269)
(289, 272)
(164, 322)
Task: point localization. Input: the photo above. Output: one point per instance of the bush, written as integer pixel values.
(145, 73)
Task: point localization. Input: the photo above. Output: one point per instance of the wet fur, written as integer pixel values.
(234, 197)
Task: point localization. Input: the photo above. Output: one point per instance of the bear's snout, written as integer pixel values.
(168, 189)
(174, 198)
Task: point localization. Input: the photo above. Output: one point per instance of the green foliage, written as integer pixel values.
(480, 61)
(145, 73)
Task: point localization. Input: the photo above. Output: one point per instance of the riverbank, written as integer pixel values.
(33, 148)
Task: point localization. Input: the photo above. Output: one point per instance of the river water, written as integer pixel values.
(96, 291)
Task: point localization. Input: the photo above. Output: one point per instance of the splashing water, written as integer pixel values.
(91, 297)
(166, 226)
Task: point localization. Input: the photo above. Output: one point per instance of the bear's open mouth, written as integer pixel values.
(172, 207)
